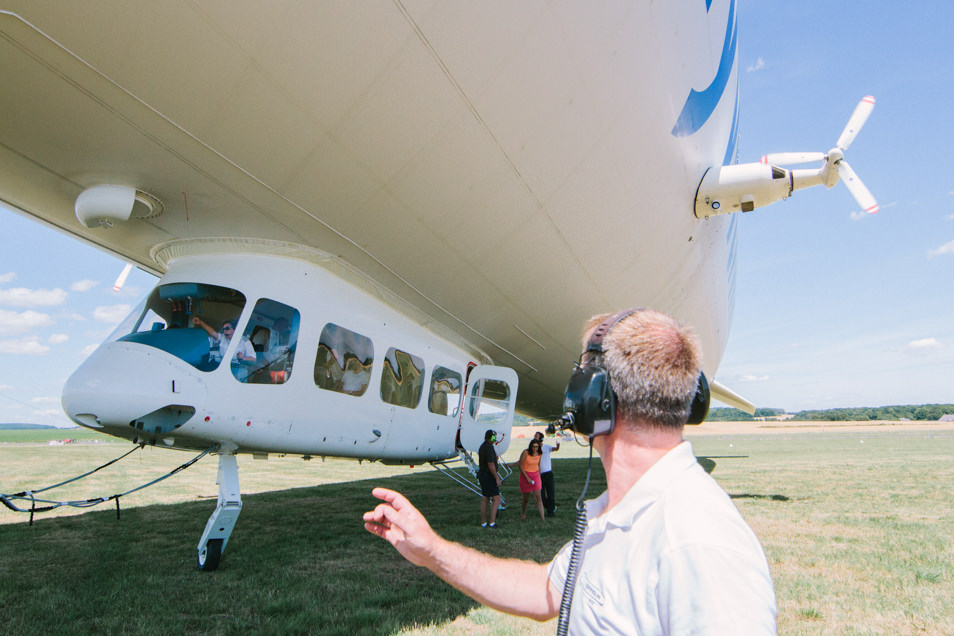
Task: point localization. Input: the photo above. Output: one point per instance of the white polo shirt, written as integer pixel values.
(545, 464)
(673, 557)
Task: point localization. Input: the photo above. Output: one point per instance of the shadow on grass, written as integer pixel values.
(768, 497)
(709, 464)
(299, 561)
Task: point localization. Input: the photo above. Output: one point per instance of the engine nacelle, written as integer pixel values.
(742, 187)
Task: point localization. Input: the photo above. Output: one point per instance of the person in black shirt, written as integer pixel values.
(489, 479)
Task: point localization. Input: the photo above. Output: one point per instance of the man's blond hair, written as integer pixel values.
(654, 364)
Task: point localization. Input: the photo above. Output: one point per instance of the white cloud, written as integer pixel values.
(84, 285)
(18, 322)
(758, 66)
(924, 343)
(88, 350)
(130, 291)
(23, 297)
(112, 314)
(27, 346)
(57, 338)
(753, 378)
(6, 278)
(947, 248)
(45, 400)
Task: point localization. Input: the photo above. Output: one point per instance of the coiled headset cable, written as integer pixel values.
(576, 554)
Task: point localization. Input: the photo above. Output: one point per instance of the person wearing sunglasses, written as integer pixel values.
(245, 351)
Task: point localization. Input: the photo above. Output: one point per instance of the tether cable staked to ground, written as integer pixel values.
(52, 504)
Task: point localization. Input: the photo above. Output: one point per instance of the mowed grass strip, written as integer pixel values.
(858, 530)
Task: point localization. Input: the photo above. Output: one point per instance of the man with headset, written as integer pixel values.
(665, 551)
(489, 479)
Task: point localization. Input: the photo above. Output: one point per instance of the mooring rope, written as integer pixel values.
(77, 478)
(52, 504)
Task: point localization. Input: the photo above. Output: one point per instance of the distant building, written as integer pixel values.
(947, 418)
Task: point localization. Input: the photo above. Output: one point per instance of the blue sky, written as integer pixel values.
(56, 305)
(836, 308)
(833, 308)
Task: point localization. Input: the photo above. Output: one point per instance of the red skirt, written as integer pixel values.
(525, 485)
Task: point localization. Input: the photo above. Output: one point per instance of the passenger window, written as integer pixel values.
(489, 404)
(186, 320)
(344, 360)
(402, 379)
(444, 398)
(268, 344)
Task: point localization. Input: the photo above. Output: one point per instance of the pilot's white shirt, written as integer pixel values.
(245, 347)
(673, 557)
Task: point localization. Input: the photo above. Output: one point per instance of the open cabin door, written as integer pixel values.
(489, 404)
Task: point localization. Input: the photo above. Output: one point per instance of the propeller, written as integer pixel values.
(858, 190)
(835, 158)
(121, 279)
(856, 121)
(791, 158)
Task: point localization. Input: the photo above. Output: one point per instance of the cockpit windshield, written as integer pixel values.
(193, 321)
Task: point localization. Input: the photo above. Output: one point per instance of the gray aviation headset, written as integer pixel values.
(590, 402)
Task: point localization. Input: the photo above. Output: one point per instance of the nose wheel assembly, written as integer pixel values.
(227, 509)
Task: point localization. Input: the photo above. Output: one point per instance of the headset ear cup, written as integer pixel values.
(601, 411)
(589, 400)
(700, 402)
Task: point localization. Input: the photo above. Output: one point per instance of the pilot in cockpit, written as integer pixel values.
(245, 351)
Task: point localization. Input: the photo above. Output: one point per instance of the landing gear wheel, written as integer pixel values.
(210, 556)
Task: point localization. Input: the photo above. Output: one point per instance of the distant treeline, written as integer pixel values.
(923, 412)
(723, 414)
(523, 420)
(21, 427)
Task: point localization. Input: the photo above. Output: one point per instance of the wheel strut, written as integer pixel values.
(227, 509)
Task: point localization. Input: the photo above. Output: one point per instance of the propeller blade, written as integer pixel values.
(789, 158)
(121, 280)
(857, 188)
(856, 121)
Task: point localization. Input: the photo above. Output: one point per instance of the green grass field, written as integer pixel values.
(858, 529)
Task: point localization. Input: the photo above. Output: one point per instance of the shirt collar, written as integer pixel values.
(645, 491)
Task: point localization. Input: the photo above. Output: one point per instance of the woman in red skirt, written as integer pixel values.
(529, 465)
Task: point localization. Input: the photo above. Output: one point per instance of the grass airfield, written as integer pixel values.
(856, 521)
